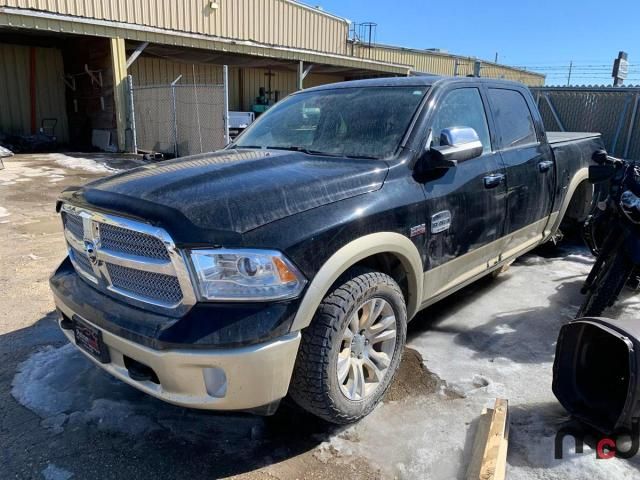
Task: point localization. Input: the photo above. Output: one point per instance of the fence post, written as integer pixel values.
(132, 116)
(556, 117)
(632, 124)
(225, 70)
(175, 115)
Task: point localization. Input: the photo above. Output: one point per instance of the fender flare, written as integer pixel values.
(350, 254)
(582, 175)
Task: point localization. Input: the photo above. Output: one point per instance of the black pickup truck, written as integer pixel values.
(290, 262)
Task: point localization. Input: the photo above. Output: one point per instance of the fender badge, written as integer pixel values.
(417, 230)
(441, 221)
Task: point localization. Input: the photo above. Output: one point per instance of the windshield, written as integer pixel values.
(350, 122)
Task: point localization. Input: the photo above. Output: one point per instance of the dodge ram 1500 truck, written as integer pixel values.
(290, 262)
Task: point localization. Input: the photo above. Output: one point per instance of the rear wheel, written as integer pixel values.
(350, 353)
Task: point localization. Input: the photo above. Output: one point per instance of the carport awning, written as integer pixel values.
(29, 19)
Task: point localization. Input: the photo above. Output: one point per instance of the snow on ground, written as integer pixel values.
(88, 164)
(494, 339)
(53, 472)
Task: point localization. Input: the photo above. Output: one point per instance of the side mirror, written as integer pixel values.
(457, 144)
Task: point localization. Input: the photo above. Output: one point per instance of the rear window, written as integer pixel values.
(513, 118)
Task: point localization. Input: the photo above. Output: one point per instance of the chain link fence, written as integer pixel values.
(178, 119)
(613, 112)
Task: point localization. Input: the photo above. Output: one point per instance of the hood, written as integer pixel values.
(235, 190)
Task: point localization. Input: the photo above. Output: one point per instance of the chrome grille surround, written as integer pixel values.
(130, 260)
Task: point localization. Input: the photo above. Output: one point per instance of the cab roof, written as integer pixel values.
(415, 81)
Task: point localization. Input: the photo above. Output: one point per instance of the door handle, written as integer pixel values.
(545, 166)
(493, 180)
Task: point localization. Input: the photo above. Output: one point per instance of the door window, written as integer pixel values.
(462, 108)
(513, 118)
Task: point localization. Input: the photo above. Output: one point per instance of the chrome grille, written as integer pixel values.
(73, 223)
(156, 286)
(133, 260)
(131, 242)
(82, 260)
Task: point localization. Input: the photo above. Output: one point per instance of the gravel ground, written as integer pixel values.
(61, 417)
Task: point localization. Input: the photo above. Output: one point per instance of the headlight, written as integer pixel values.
(223, 274)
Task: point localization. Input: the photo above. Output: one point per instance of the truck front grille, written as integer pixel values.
(111, 253)
(73, 223)
(82, 261)
(133, 243)
(160, 287)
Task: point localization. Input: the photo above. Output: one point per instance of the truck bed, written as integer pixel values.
(561, 137)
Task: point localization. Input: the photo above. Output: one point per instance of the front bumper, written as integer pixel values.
(245, 378)
(191, 369)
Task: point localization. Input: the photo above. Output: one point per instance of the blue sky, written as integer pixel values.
(543, 34)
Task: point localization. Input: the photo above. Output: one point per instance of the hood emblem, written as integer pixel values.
(91, 250)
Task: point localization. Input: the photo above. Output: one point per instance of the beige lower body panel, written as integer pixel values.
(255, 376)
(455, 274)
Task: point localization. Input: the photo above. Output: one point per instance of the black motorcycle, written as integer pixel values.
(612, 232)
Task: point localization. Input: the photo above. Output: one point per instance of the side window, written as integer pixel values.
(462, 108)
(513, 117)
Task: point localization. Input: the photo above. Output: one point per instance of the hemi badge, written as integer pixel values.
(417, 230)
(441, 221)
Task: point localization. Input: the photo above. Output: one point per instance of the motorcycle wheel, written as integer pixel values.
(606, 288)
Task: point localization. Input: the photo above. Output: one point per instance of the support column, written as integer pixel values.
(119, 67)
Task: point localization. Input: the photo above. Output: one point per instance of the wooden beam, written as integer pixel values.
(489, 454)
(119, 67)
(136, 53)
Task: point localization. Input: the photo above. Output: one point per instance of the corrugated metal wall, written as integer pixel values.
(15, 114)
(272, 22)
(443, 64)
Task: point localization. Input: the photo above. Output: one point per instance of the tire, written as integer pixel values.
(604, 292)
(329, 339)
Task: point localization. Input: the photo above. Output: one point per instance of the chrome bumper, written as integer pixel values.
(243, 378)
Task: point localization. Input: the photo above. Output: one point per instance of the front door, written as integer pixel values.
(466, 206)
(530, 170)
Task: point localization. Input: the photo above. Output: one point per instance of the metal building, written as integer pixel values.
(65, 63)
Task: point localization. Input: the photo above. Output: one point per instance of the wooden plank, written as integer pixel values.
(489, 454)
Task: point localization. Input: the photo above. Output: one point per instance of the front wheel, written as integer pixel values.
(350, 353)
(607, 285)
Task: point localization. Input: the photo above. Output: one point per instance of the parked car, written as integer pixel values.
(291, 261)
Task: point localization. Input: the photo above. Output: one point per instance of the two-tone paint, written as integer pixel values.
(434, 230)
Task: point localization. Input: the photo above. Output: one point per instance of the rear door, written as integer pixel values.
(529, 165)
(466, 205)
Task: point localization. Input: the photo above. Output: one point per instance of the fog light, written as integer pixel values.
(216, 382)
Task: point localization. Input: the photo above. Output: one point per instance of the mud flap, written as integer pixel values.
(595, 372)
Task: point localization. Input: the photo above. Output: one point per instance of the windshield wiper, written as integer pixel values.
(309, 151)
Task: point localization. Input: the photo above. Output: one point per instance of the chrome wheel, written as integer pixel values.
(366, 350)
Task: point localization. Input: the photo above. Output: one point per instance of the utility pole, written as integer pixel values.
(496, 60)
(570, 70)
(620, 69)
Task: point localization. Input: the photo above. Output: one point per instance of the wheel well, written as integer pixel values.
(580, 203)
(391, 265)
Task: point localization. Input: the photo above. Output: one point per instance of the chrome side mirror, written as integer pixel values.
(457, 144)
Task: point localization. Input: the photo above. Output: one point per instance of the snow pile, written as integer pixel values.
(5, 152)
(67, 390)
(79, 163)
(53, 472)
(62, 386)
